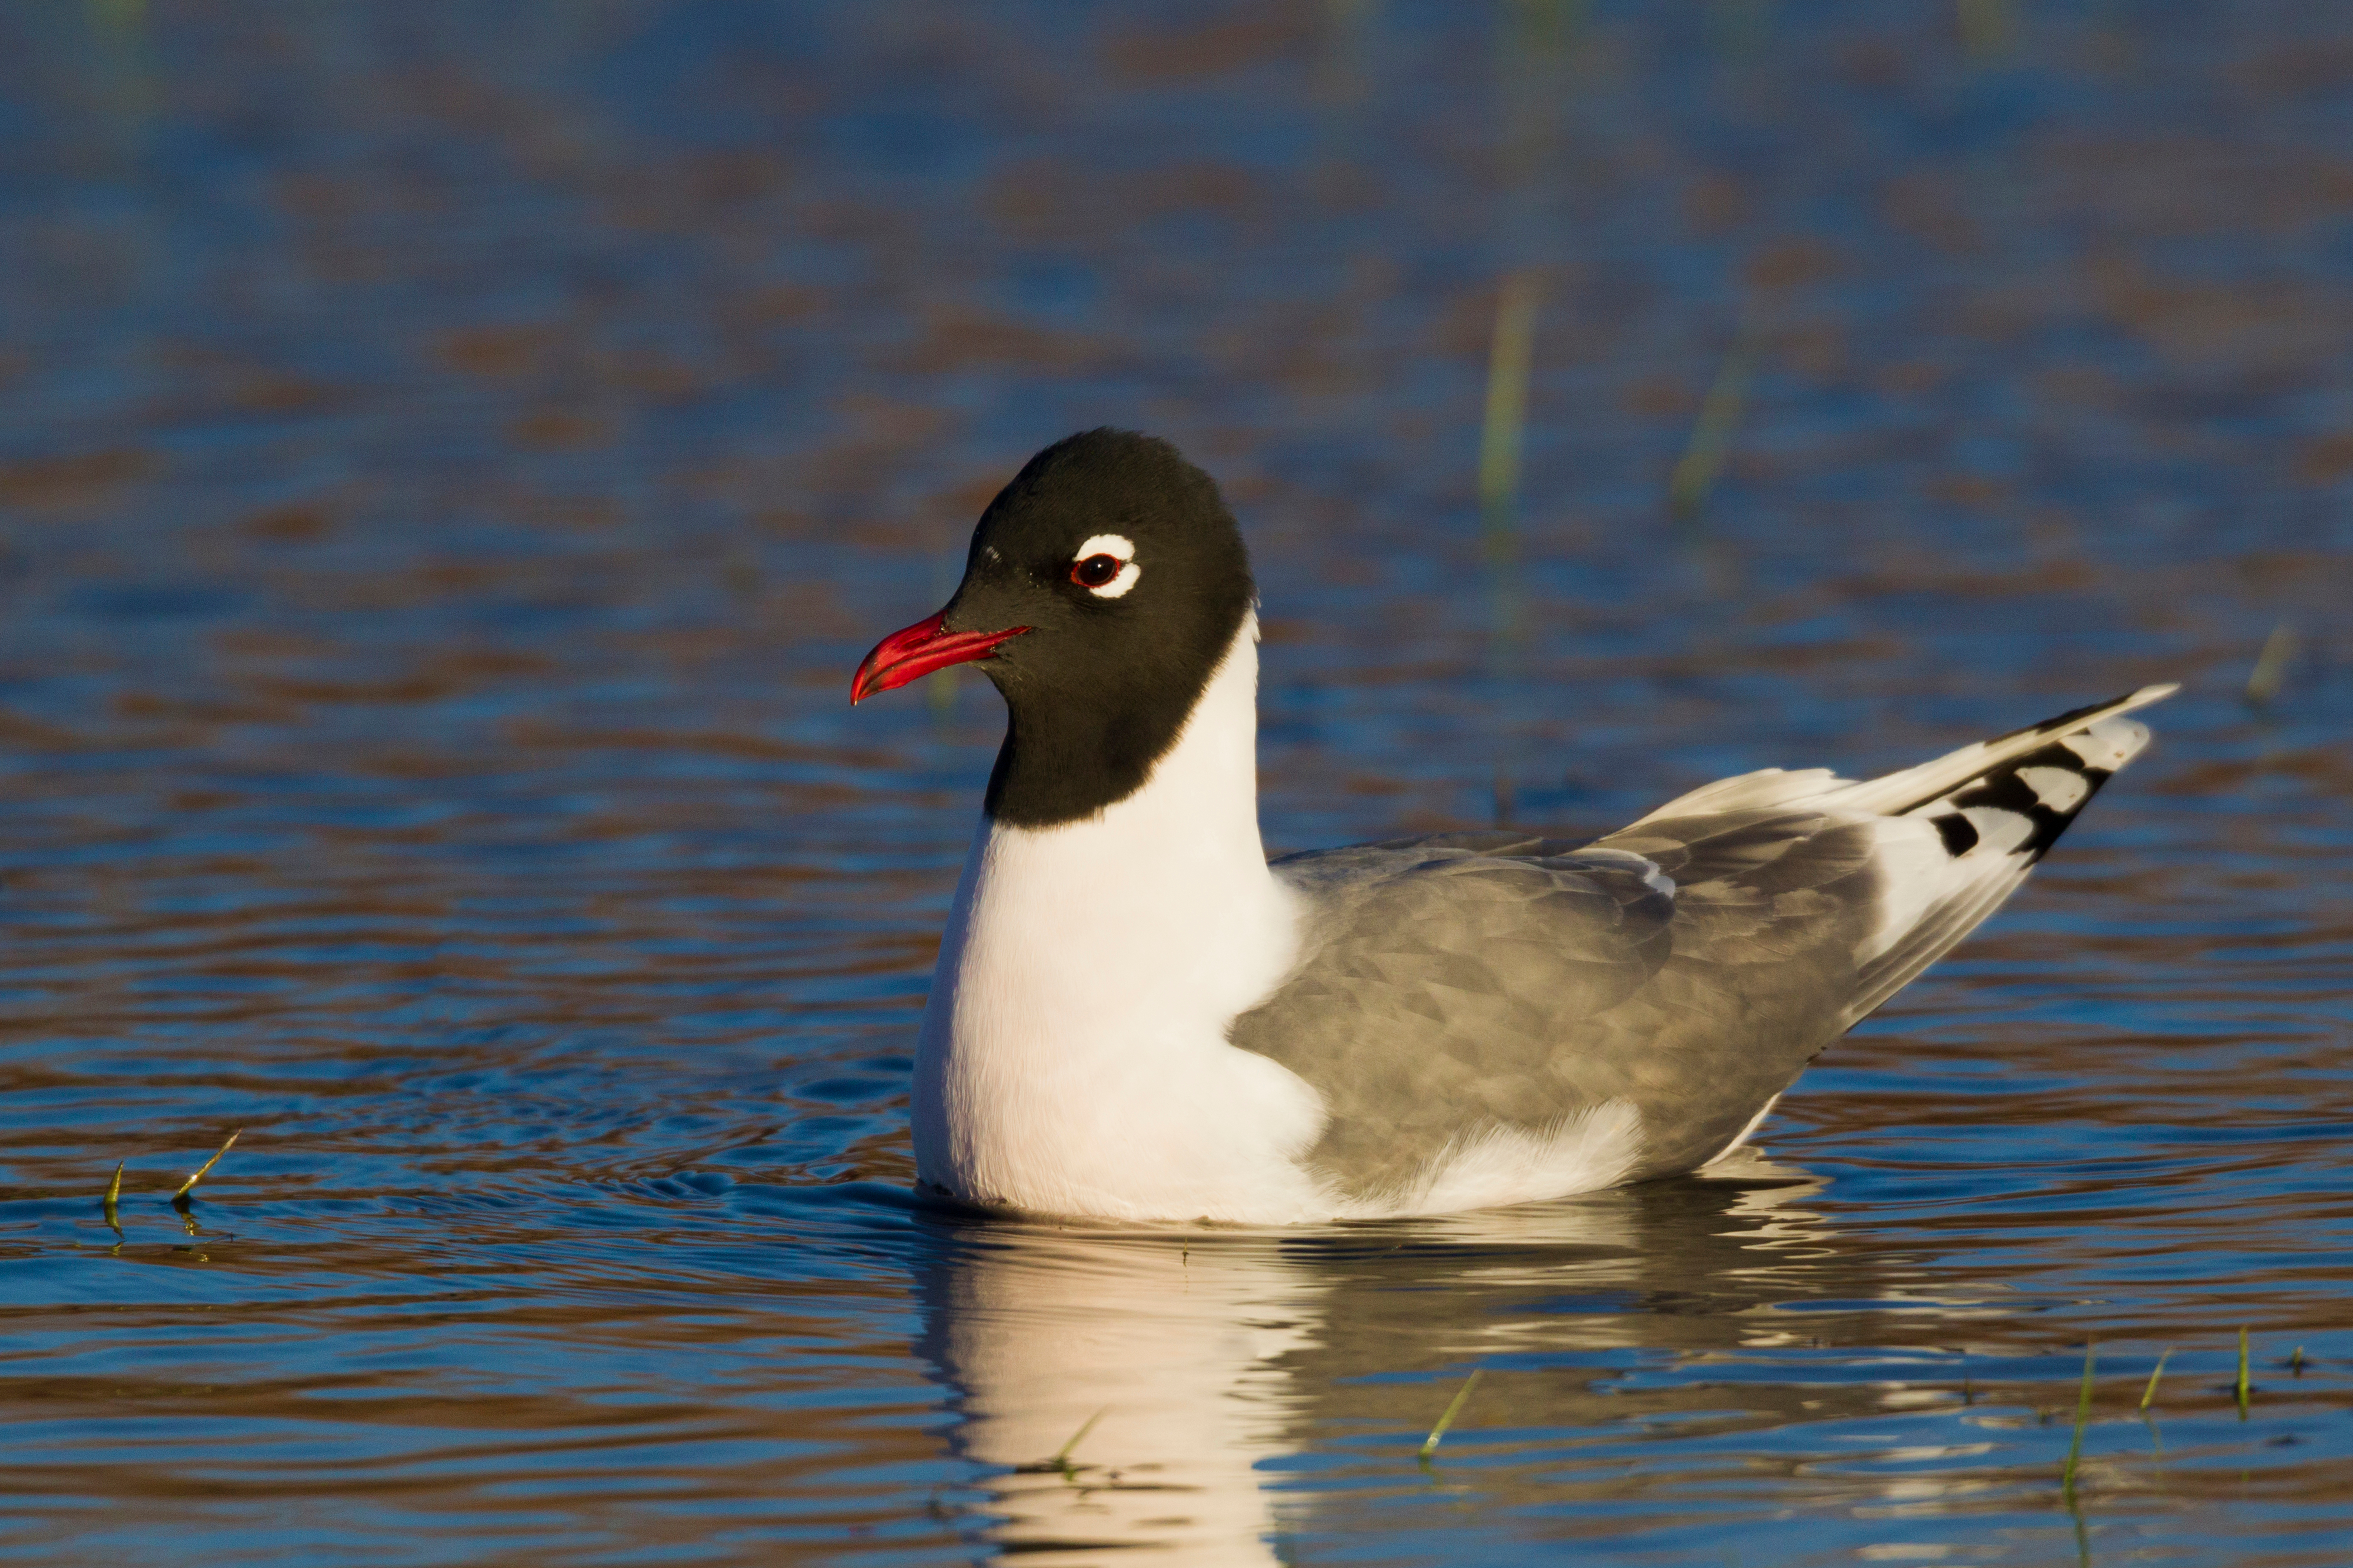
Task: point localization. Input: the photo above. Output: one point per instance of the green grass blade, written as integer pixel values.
(1429, 1444)
(2082, 1418)
(199, 1173)
(107, 1204)
(1062, 1454)
(2155, 1373)
(1711, 438)
(2272, 665)
(1508, 401)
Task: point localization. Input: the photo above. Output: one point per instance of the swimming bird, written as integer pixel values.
(1135, 1016)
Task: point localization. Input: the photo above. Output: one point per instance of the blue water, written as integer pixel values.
(452, 458)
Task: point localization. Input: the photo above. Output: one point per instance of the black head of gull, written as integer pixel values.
(1102, 587)
(1135, 1016)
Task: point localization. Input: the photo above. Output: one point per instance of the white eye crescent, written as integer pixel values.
(1105, 565)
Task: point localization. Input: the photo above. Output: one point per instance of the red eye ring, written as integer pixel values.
(1095, 571)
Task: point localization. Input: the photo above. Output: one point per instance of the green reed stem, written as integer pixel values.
(2245, 1389)
(2264, 681)
(1429, 1444)
(2083, 1419)
(199, 1173)
(1062, 1454)
(1507, 405)
(2155, 1373)
(1710, 436)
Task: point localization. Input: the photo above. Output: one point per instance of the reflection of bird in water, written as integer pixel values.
(1184, 1360)
(1135, 1016)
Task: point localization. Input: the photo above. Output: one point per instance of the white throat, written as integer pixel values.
(1073, 1055)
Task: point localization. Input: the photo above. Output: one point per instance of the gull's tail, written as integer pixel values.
(1994, 808)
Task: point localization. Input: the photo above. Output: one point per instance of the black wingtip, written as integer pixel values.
(2004, 788)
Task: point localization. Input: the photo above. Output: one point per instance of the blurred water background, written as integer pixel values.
(452, 456)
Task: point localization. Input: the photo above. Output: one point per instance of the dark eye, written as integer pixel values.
(1095, 571)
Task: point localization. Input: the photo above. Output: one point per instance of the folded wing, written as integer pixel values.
(1463, 994)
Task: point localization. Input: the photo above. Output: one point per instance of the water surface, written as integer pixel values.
(453, 458)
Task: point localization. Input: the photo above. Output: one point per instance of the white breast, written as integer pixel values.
(1074, 1057)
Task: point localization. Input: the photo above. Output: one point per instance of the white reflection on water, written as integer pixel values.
(1183, 1358)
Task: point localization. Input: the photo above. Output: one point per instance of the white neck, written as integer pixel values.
(1073, 1057)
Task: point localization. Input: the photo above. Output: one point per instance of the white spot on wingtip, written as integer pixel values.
(1999, 832)
(2058, 789)
(2110, 744)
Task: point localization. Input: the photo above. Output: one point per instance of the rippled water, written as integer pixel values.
(453, 457)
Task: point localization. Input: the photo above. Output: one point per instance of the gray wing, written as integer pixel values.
(1691, 966)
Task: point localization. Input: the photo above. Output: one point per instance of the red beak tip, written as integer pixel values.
(918, 650)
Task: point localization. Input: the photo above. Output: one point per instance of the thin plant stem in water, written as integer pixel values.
(2082, 1418)
(1429, 1444)
(1499, 441)
(2271, 666)
(199, 1173)
(107, 1204)
(1508, 363)
(2245, 1389)
(1062, 1454)
(1710, 436)
(2155, 1371)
